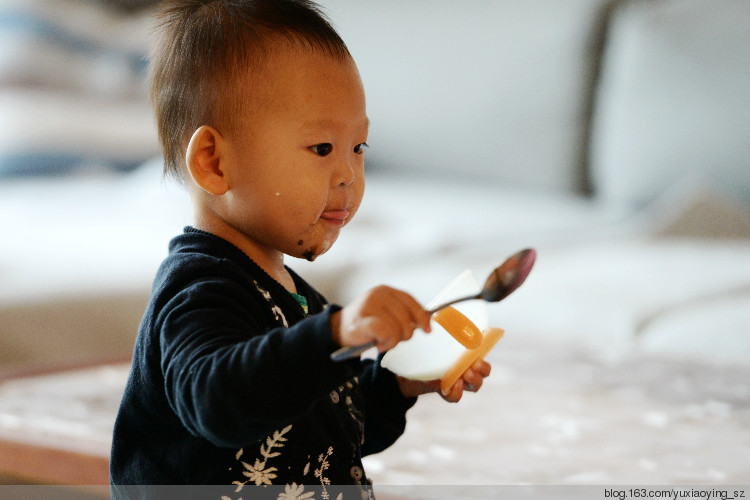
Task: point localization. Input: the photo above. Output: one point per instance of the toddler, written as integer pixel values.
(261, 115)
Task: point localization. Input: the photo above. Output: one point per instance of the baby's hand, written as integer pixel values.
(471, 380)
(384, 315)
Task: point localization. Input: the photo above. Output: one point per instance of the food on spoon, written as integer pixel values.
(468, 358)
(459, 326)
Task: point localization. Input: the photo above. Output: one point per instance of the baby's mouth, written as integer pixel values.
(336, 217)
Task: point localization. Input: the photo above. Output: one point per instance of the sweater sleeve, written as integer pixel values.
(385, 408)
(231, 380)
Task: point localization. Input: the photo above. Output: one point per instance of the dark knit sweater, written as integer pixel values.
(231, 382)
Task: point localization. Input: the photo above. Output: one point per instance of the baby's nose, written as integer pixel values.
(344, 175)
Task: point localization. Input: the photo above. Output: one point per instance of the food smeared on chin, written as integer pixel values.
(309, 255)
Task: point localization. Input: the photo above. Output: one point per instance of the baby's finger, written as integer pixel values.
(388, 334)
(455, 393)
(472, 380)
(482, 367)
(418, 316)
(402, 321)
(382, 330)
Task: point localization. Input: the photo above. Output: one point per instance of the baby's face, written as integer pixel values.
(299, 157)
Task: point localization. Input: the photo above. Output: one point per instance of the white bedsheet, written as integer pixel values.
(615, 281)
(625, 358)
(603, 276)
(86, 234)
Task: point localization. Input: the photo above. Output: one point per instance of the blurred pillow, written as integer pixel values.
(714, 328)
(130, 5)
(673, 100)
(72, 87)
(43, 132)
(692, 209)
(70, 45)
(493, 89)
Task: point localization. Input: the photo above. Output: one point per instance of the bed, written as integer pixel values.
(625, 358)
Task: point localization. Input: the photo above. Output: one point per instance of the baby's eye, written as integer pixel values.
(322, 149)
(359, 148)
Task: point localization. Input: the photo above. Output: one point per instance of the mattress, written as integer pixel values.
(79, 254)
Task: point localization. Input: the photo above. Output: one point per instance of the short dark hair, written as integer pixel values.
(204, 46)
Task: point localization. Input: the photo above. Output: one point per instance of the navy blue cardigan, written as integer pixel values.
(231, 382)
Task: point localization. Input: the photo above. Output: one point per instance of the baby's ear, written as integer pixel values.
(205, 162)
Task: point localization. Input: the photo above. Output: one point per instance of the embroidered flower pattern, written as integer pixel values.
(324, 465)
(258, 472)
(295, 492)
(278, 314)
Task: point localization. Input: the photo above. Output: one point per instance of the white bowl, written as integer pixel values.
(427, 356)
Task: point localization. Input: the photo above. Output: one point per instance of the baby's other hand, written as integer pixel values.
(384, 315)
(471, 381)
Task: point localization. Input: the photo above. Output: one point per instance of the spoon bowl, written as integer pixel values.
(502, 281)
